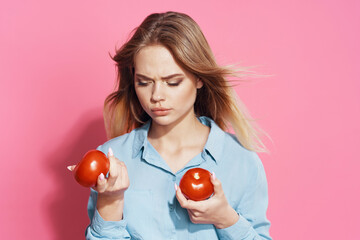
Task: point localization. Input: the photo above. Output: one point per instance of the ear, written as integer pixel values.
(199, 83)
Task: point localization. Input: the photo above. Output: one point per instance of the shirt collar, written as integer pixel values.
(140, 138)
(213, 147)
(215, 142)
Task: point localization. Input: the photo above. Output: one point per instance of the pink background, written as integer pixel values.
(55, 73)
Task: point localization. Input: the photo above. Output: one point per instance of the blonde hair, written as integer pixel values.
(182, 36)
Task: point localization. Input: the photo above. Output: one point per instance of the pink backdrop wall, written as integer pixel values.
(55, 73)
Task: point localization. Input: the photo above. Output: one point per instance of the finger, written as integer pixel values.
(71, 167)
(184, 203)
(124, 175)
(194, 216)
(114, 168)
(180, 197)
(197, 217)
(217, 184)
(101, 183)
(191, 216)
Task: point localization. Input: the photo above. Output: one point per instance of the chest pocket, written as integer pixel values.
(138, 212)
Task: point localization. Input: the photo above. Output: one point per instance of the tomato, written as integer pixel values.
(90, 167)
(196, 184)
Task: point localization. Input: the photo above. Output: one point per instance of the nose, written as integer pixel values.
(158, 93)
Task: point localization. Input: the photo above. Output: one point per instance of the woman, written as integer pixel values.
(169, 114)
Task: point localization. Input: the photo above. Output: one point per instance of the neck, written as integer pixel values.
(177, 133)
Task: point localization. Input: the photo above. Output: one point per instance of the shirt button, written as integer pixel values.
(174, 178)
(171, 207)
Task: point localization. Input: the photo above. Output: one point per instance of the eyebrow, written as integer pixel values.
(164, 78)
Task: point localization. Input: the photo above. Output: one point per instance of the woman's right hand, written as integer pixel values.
(117, 182)
(110, 200)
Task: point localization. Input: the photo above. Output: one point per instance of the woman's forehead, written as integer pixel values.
(156, 60)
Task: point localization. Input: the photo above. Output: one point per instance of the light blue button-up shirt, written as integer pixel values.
(151, 210)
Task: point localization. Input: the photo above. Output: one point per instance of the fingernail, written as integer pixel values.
(213, 176)
(101, 176)
(111, 153)
(176, 187)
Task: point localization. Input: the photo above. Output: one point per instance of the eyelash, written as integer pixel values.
(170, 84)
(174, 84)
(139, 83)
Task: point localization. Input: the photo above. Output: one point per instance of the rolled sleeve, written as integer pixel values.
(99, 228)
(239, 230)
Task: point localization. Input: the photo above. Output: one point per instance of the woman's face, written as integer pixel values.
(166, 92)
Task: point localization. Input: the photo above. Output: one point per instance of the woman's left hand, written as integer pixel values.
(215, 210)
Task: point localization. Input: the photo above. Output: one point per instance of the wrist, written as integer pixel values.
(110, 198)
(231, 217)
(110, 207)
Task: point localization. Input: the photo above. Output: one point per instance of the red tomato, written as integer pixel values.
(196, 184)
(89, 168)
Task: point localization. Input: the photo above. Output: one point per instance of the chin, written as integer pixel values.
(171, 118)
(163, 120)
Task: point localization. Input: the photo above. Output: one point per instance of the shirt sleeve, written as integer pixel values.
(101, 229)
(252, 223)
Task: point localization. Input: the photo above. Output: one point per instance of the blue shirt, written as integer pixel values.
(151, 210)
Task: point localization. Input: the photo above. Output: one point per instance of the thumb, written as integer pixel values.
(216, 183)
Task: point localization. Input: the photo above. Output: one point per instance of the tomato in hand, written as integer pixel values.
(196, 184)
(90, 167)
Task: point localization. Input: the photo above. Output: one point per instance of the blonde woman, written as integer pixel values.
(170, 113)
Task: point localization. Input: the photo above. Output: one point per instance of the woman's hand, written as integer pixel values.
(215, 210)
(110, 200)
(117, 182)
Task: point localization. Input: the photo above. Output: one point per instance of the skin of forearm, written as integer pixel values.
(231, 218)
(109, 208)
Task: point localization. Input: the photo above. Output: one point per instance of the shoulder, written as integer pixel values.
(125, 144)
(225, 146)
(116, 143)
(239, 169)
(240, 157)
(123, 139)
(233, 146)
(243, 165)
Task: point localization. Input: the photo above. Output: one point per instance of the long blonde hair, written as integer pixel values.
(182, 36)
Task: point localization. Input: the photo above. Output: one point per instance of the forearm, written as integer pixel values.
(110, 208)
(99, 228)
(230, 217)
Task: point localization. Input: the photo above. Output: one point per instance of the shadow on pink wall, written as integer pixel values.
(65, 207)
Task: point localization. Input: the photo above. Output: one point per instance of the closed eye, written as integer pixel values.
(174, 83)
(142, 82)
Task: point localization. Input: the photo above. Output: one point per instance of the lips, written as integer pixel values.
(160, 111)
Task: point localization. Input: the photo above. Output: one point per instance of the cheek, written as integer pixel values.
(141, 95)
(187, 95)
